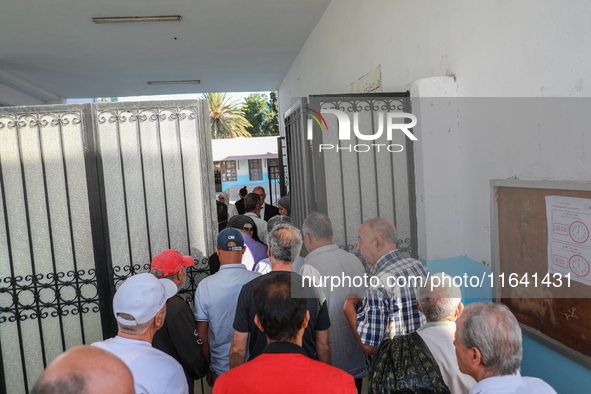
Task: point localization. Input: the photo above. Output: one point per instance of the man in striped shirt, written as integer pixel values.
(389, 306)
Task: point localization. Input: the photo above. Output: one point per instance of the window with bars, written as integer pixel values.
(227, 169)
(273, 168)
(255, 169)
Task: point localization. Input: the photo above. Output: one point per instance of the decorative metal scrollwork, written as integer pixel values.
(60, 121)
(146, 114)
(63, 120)
(176, 115)
(404, 246)
(124, 272)
(195, 274)
(40, 296)
(156, 117)
(292, 118)
(39, 120)
(136, 117)
(38, 123)
(16, 123)
(370, 105)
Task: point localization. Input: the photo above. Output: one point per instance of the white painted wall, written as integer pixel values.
(438, 170)
(242, 167)
(494, 49)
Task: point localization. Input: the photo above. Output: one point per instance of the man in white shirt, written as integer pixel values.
(440, 301)
(488, 348)
(140, 309)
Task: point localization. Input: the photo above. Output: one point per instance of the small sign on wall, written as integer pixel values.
(369, 83)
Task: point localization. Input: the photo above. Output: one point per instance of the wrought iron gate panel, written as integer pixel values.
(283, 174)
(45, 306)
(350, 186)
(89, 194)
(156, 180)
(299, 157)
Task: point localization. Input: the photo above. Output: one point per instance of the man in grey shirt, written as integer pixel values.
(326, 259)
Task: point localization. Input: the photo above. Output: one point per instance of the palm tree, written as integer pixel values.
(227, 118)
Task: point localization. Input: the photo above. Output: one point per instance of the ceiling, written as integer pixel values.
(51, 48)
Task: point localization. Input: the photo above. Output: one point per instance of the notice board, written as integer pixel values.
(551, 309)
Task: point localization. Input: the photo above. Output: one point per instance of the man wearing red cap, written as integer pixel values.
(178, 336)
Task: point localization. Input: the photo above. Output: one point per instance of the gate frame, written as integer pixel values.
(317, 191)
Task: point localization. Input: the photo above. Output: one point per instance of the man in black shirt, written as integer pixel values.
(178, 336)
(282, 241)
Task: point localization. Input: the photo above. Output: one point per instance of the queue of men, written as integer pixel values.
(291, 332)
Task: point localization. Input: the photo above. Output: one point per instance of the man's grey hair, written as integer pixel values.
(251, 201)
(494, 331)
(160, 274)
(260, 188)
(285, 243)
(133, 330)
(277, 220)
(75, 383)
(384, 228)
(318, 226)
(439, 297)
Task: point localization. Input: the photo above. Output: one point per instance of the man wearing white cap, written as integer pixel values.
(140, 309)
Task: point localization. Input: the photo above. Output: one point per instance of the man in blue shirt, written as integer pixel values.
(216, 298)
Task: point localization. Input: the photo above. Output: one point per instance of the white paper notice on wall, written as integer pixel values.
(569, 245)
(369, 83)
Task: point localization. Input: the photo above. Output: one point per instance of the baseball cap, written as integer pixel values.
(230, 235)
(170, 262)
(241, 222)
(142, 296)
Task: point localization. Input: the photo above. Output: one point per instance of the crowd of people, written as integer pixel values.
(260, 322)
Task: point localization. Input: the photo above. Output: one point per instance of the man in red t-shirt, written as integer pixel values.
(283, 367)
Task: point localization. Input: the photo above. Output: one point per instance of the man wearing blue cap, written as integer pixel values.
(216, 298)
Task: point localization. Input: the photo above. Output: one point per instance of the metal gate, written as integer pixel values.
(349, 186)
(89, 194)
(300, 164)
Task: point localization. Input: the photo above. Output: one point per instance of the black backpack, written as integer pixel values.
(405, 365)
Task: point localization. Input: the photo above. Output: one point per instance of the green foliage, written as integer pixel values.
(227, 118)
(261, 112)
(273, 113)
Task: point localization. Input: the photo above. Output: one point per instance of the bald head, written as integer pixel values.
(87, 370)
(383, 228)
(376, 237)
